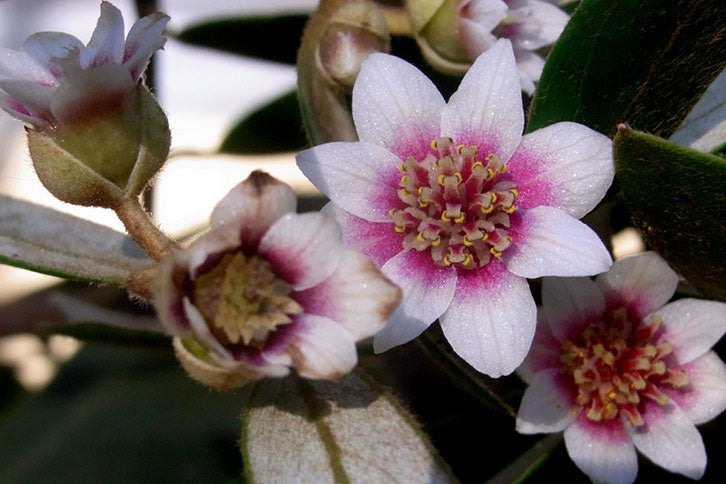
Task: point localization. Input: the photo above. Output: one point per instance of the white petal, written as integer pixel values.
(304, 249)
(20, 65)
(549, 242)
(530, 66)
(34, 97)
(251, 207)
(491, 320)
(377, 240)
(705, 397)
(570, 304)
(477, 19)
(670, 440)
(693, 326)
(143, 39)
(486, 110)
(361, 178)
(644, 282)
(546, 406)
(356, 296)
(565, 165)
(48, 47)
(604, 454)
(427, 292)
(204, 335)
(15, 109)
(396, 106)
(107, 42)
(323, 349)
(544, 353)
(536, 24)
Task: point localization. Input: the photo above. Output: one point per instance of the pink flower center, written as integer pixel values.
(616, 366)
(458, 206)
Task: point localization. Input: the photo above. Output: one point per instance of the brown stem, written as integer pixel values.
(142, 229)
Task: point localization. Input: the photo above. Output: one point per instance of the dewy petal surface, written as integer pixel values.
(427, 292)
(48, 47)
(643, 282)
(570, 304)
(670, 440)
(396, 106)
(551, 243)
(362, 178)
(323, 349)
(491, 320)
(565, 165)
(545, 407)
(21, 66)
(693, 326)
(486, 110)
(705, 398)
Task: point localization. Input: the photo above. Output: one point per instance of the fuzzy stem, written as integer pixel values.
(142, 229)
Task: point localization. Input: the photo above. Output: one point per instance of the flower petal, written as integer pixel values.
(322, 349)
(491, 320)
(476, 20)
(107, 42)
(21, 66)
(143, 39)
(427, 292)
(361, 178)
(547, 405)
(603, 452)
(548, 242)
(705, 397)
(544, 353)
(356, 296)
(34, 97)
(304, 249)
(534, 24)
(52, 49)
(670, 440)
(379, 241)
(565, 165)
(486, 110)
(570, 304)
(643, 282)
(396, 106)
(251, 207)
(693, 326)
(530, 67)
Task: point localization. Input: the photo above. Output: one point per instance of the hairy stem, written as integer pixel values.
(142, 229)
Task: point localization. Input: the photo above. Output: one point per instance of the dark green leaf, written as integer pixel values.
(271, 38)
(103, 333)
(274, 128)
(677, 200)
(646, 62)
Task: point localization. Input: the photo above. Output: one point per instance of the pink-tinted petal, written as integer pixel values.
(251, 207)
(20, 65)
(602, 451)
(141, 42)
(570, 304)
(705, 397)
(565, 165)
(670, 440)
(361, 178)
(535, 23)
(693, 326)
(356, 296)
(322, 349)
(34, 97)
(548, 242)
(544, 353)
(17, 110)
(486, 110)
(107, 42)
(530, 67)
(643, 282)
(378, 240)
(477, 19)
(427, 292)
(547, 405)
(396, 106)
(304, 249)
(50, 49)
(205, 337)
(491, 320)
(475, 38)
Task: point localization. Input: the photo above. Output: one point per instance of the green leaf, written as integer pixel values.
(677, 200)
(644, 62)
(296, 430)
(271, 38)
(43, 240)
(114, 415)
(523, 467)
(273, 128)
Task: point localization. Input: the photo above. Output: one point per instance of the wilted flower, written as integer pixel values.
(266, 290)
(617, 370)
(453, 33)
(88, 109)
(458, 207)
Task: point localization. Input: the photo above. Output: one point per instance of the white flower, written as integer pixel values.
(55, 79)
(267, 289)
(617, 370)
(457, 207)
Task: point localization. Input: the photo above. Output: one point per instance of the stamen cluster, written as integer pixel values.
(615, 365)
(458, 205)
